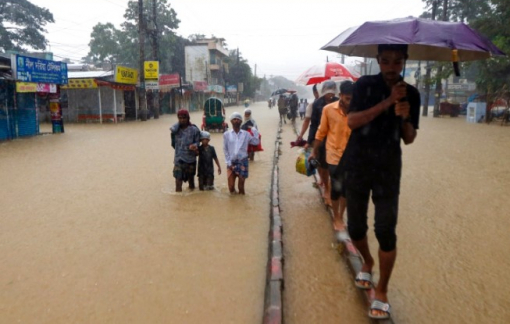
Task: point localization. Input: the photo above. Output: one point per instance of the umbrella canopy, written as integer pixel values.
(279, 92)
(326, 71)
(429, 40)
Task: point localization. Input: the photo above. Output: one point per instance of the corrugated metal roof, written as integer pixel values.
(88, 74)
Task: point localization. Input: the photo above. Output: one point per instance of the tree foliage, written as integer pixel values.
(240, 72)
(494, 74)
(22, 25)
(121, 46)
(490, 18)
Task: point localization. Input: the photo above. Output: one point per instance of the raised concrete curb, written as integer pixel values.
(273, 308)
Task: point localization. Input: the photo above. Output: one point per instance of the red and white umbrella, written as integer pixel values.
(327, 71)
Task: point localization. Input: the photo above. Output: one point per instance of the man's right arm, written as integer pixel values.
(358, 119)
(225, 149)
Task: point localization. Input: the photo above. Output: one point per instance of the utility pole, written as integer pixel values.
(155, 49)
(425, 111)
(141, 40)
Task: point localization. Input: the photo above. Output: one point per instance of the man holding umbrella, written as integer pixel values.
(384, 110)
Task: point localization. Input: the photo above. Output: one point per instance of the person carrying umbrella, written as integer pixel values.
(383, 110)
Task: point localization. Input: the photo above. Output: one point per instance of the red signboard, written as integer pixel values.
(200, 85)
(169, 79)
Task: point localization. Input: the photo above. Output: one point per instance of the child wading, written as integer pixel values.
(206, 155)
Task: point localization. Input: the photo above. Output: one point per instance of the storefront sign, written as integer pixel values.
(151, 70)
(215, 88)
(151, 85)
(126, 75)
(29, 69)
(231, 88)
(169, 79)
(200, 85)
(81, 84)
(22, 87)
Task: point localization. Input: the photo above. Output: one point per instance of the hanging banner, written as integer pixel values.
(231, 88)
(126, 75)
(30, 69)
(151, 70)
(200, 85)
(81, 84)
(23, 87)
(169, 79)
(215, 88)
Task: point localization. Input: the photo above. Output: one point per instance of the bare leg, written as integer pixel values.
(232, 183)
(324, 175)
(241, 185)
(191, 182)
(386, 263)
(362, 246)
(338, 222)
(178, 185)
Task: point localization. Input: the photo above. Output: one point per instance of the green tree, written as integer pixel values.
(494, 74)
(121, 45)
(240, 72)
(25, 28)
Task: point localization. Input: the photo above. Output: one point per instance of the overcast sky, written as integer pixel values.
(282, 37)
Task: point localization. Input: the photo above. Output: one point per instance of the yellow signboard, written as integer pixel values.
(80, 84)
(26, 87)
(126, 75)
(151, 69)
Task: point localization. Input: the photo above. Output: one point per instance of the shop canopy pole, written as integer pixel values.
(115, 105)
(100, 108)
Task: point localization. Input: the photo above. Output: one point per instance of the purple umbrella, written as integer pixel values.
(428, 40)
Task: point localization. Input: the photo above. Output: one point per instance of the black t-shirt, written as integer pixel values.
(376, 146)
(315, 120)
(206, 156)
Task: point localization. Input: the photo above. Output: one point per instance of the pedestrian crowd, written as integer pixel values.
(239, 146)
(354, 138)
(355, 142)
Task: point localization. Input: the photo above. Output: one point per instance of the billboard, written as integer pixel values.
(151, 70)
(126, 75)
(29, 69)
(36, 87)
(197, 61)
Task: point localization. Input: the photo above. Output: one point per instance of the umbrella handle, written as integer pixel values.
(455, 60)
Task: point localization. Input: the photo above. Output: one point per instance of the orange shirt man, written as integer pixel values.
(334, 128)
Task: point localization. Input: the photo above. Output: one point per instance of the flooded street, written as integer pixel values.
(93, 231)
(452, 234)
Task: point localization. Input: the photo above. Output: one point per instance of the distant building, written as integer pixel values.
(205, 61)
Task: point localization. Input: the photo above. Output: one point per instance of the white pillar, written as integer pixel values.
(115, 106)
(100, 108)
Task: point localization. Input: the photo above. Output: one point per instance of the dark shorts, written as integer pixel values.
(337, 186)
(206, 182)
(184, 171)
(322, 155)
(384, 188)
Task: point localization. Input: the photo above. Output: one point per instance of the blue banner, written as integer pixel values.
(30, 69)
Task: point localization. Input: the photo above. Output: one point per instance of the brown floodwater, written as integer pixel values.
(453, 240)
(91, 230)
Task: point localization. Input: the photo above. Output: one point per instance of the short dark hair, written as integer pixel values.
(346, 87)
(392, 47)
(314, 89)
